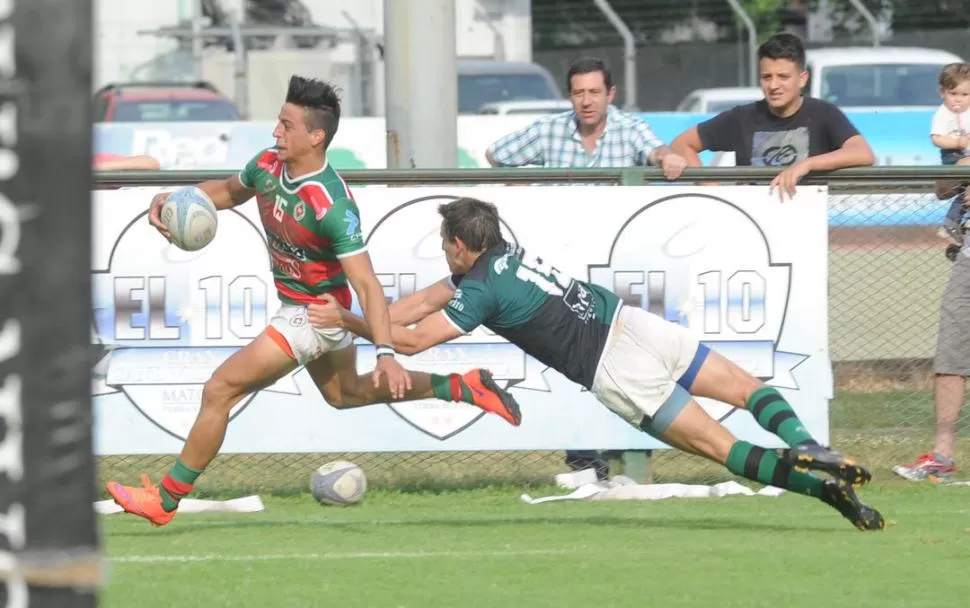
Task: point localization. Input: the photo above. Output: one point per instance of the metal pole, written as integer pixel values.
(239, 66)
(752, 39)
(363, 71)
(421, 92)
(499, 37)
(740, 48)
(516, 24)
(397, 85)
(629, 54)
(870, 20)
(197, 39)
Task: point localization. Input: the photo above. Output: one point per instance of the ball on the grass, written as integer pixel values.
(191, 217)
(338, 483)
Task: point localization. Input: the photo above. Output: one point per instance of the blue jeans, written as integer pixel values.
(956, 211)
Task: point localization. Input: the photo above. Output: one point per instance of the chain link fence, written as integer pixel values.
(887, 271)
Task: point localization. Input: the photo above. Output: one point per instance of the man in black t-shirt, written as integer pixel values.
(782, 130)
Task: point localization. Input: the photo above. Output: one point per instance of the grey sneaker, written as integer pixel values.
(931, 466)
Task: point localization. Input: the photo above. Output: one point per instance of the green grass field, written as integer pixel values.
(425, 536)
(449, 547)
(486, 548)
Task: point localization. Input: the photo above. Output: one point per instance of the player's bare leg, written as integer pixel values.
(335, 374)
(257, 365)
(261, 363)
(721, 379)
(693, 430)
(948, 399)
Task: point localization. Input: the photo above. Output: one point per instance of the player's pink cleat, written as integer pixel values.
(144, 502)
(488, 396)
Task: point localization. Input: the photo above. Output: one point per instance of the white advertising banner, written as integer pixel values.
(733, 263)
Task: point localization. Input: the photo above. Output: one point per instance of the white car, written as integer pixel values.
(854, 78)
(532, 106)
(877, 77)
(485, 81)
(717, 100)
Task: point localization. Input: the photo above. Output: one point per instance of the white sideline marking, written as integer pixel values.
(153, 559)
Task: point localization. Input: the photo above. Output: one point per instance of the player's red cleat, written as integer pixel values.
(144, 502)
(488, 396)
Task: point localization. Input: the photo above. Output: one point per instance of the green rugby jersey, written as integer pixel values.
(561, 321)
(311, 222)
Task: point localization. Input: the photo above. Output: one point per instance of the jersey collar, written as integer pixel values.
(299, 178)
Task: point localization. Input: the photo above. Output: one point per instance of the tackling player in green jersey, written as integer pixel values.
(642, 367)
(316, 246)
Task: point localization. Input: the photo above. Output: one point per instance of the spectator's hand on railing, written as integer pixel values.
(786, 181)
(155, 215)
(673, 165)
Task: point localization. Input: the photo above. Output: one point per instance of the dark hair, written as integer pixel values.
(953, 75)
(472, 221)
(783, 46)
(320, 102)
(588, 65)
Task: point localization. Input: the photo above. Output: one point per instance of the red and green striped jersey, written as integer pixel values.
(311, 223)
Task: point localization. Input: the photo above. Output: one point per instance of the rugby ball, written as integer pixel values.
(338, 483)
(191, 217)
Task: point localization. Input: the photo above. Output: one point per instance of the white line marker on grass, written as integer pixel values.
(214, 557)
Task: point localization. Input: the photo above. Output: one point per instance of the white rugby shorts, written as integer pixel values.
(290, 328)
(646, 368)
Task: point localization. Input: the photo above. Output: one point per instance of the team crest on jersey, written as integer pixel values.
(299, 212)
(269, 186)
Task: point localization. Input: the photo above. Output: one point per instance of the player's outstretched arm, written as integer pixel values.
(421, 303)
(227, 193)
(433, 329)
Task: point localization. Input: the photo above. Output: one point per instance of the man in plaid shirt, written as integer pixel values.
(593, 134)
